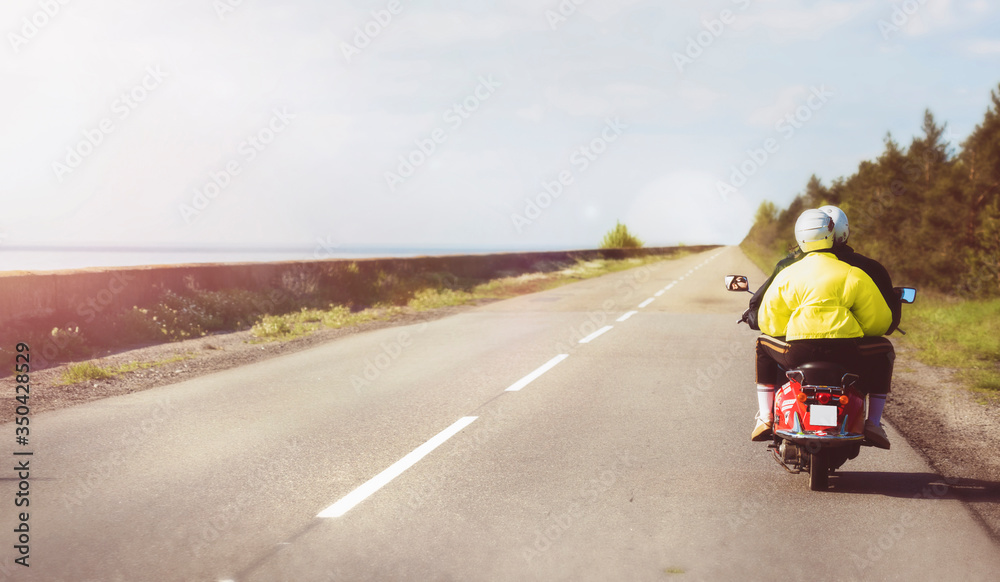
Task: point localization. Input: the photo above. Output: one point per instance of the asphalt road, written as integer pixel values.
(425, 453)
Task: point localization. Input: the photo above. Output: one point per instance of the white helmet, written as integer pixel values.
(841, 230)
(814, 230)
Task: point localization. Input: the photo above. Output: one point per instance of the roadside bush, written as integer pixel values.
(72, 342)
(183, 316)
(232, 309)
(137, 326)
(619, 237)
(276, 327)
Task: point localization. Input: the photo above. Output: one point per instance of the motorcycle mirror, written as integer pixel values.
(737, 283)
(907, 294)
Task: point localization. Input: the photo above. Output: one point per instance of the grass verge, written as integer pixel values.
(300, 323)
(87, 371)
(959, 334)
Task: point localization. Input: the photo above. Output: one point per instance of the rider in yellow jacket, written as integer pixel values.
(821, 297)
(823, 309)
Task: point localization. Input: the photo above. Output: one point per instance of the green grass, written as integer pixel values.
(433, 298)
(300, 323)
(85, 371)
(88, 371)
(957, 334)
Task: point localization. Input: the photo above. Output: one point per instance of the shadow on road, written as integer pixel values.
(915, 485)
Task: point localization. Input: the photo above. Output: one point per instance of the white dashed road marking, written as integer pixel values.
(594, 335)
(395, 470)
(626, 316)
(532, 376)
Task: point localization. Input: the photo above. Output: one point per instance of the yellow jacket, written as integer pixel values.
(822, 297)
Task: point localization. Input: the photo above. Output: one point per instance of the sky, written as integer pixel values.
(161, 127)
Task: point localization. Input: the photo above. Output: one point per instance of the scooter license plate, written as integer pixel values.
(820, 415)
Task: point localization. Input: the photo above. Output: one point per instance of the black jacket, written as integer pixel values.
(845, 253)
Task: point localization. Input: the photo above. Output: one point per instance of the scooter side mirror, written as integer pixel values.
(737, 283)
(906, 294)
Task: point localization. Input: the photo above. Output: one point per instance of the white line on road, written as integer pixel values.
(646, 302)
(627, 315)
(660, 292)
(670, 286)
(378, 481)
(594, 335)
(532, 376)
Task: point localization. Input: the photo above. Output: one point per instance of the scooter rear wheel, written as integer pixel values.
(819, 471)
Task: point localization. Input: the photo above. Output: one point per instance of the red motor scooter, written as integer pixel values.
(819, 416)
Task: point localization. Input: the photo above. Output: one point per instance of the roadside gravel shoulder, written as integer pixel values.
(956, 430)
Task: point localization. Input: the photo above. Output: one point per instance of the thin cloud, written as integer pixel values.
(787, 100)
(801, 22)
(984, 47)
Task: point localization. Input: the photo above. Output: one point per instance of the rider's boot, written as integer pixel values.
(765, 403)
(873, 426)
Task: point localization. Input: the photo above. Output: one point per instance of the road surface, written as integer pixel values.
(597, 431)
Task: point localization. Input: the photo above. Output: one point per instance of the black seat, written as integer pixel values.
(822, 374)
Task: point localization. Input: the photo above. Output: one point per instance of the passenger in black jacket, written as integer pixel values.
(878, 274)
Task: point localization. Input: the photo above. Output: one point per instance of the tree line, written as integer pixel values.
(930, 214)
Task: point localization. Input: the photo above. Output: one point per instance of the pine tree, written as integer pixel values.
(980, 159)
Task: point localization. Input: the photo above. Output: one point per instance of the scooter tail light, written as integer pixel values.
(801, 397)
(823, 397)
(844, 399)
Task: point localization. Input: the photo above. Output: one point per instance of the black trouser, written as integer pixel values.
(871, 358)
